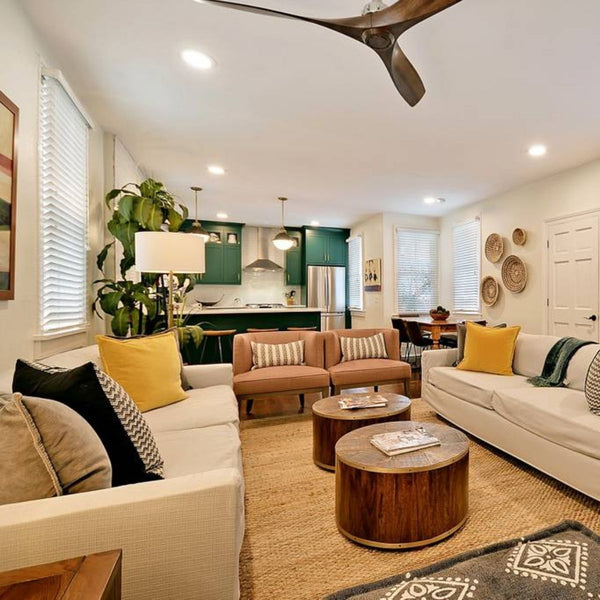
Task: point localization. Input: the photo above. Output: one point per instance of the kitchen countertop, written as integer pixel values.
(234, 310)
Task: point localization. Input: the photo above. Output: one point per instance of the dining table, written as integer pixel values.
(435, 327)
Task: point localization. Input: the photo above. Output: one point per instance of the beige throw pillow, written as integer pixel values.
(47, 450)
(277, 355)
(361, 348)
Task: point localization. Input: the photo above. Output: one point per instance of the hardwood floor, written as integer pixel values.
(281, 406)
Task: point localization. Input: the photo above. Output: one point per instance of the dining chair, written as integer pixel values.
(398, 324)
(450, 340)
(418, 340)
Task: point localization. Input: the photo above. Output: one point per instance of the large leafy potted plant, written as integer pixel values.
(139, 307)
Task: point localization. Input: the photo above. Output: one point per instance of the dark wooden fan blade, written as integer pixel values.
(405, 77)
(254, 9)
(405, 13)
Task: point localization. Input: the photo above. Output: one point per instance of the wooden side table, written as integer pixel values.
(92, 577)
(330, 423)
(402, 501)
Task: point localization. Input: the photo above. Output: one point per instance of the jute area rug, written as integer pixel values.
(292, 549)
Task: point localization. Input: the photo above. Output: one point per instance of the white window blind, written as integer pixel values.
(467, 266)
(63, 176)
(417, 270)
(355, 273)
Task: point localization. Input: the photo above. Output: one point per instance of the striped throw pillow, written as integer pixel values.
(359, 348)
(592, 386)
(277, 355)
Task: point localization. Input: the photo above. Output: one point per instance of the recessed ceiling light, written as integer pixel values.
(314, 223)
(197, 59)
(216, 170)
(434, 200)
(537, 150)
(222, 215)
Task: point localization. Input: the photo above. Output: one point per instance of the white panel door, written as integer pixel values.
(574, 282)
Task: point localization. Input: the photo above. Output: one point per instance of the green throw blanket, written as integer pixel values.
(557, 362)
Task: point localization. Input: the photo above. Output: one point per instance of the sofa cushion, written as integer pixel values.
(368, 370)
(192, 451)
(579, 367)
(559, 415)
(473, 387)
(280, 379)
(204, 407)
(530, 353)
(47, 450)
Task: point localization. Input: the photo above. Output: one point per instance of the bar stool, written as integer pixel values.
(302, 329)
(217, 335)
(257, 330)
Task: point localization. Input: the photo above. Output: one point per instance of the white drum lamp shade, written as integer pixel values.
(165, 252)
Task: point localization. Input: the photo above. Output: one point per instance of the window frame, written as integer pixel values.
(397, 231)
(360, 239)
(85, 324)
(455, 308)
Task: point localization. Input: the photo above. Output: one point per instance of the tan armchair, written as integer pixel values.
(371, 372)
(249, 384)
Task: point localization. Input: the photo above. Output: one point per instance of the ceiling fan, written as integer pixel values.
(379, 28)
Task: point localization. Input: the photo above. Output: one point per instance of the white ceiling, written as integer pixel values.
(297, 110)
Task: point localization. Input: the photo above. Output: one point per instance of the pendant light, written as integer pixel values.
(196, 225)
(283, 241)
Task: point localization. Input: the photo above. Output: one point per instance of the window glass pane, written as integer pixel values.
(355, 273)
(417, 270)
(467, 266)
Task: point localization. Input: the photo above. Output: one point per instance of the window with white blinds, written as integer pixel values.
(63, 177)
(417, 270)
(467, 266)
(355, 273)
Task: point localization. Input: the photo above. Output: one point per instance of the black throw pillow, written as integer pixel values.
(105, 405)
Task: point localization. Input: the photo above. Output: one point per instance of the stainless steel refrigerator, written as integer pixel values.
(326, 289)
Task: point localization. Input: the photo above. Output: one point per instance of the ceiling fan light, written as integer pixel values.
(283, 241)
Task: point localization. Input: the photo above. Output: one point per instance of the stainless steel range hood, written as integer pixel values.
(262, 263)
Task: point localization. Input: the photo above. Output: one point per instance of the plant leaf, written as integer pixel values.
(175, 220)
(110, 301)
(101, 258)
(126, 207)
(121, 322)
(111, 196)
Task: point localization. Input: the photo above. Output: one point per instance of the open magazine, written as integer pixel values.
(367, 401)
(400, 442)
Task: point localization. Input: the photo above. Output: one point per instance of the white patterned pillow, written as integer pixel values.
(277, 355)
(360, 348)
(592, 386)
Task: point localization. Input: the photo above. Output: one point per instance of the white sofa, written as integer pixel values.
(550, 429)
(181, 537)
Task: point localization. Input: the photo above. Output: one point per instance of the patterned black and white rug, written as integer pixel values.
(562, 562)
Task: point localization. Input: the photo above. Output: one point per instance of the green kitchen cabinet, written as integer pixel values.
(326, 246)
(294, 263)
(223, 253)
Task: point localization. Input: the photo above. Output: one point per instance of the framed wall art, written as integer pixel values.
(373, 275)
(9, 120)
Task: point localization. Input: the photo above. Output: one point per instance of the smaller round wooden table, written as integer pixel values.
(330, 423)
(402, 501)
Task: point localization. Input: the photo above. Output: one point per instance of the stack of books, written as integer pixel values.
(400, 442)
(367, 401)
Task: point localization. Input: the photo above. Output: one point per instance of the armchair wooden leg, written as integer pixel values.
(249, 404)
(302, 399)
(375, 388)
(407, 388)
(326, 392)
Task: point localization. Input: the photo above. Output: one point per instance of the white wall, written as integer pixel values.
(22, 53)
(527, 207)
(378, 242)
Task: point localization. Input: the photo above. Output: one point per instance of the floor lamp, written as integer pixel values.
(165, 252)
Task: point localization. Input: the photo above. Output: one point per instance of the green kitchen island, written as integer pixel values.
(241, 319)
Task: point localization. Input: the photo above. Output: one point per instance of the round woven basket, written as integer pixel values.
(514, 274)
(490, 290)
(494, 247)
(519, 236)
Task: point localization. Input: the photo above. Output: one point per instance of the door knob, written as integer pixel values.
(592, 318)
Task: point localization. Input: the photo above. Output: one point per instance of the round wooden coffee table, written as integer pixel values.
(330, 423)
(402, 501)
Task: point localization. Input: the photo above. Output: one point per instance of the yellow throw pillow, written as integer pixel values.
(148, 368)
(489, 350)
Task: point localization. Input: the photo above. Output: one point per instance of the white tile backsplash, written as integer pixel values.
(255, 287)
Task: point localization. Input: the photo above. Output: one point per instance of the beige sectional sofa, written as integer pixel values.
(181, 537)
(550, 429)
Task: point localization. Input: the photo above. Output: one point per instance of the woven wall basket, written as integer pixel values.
(494, 247)
(490, 290)
(519, 236)
(514, 274)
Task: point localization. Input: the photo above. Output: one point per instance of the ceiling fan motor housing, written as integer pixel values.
(378, 39)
